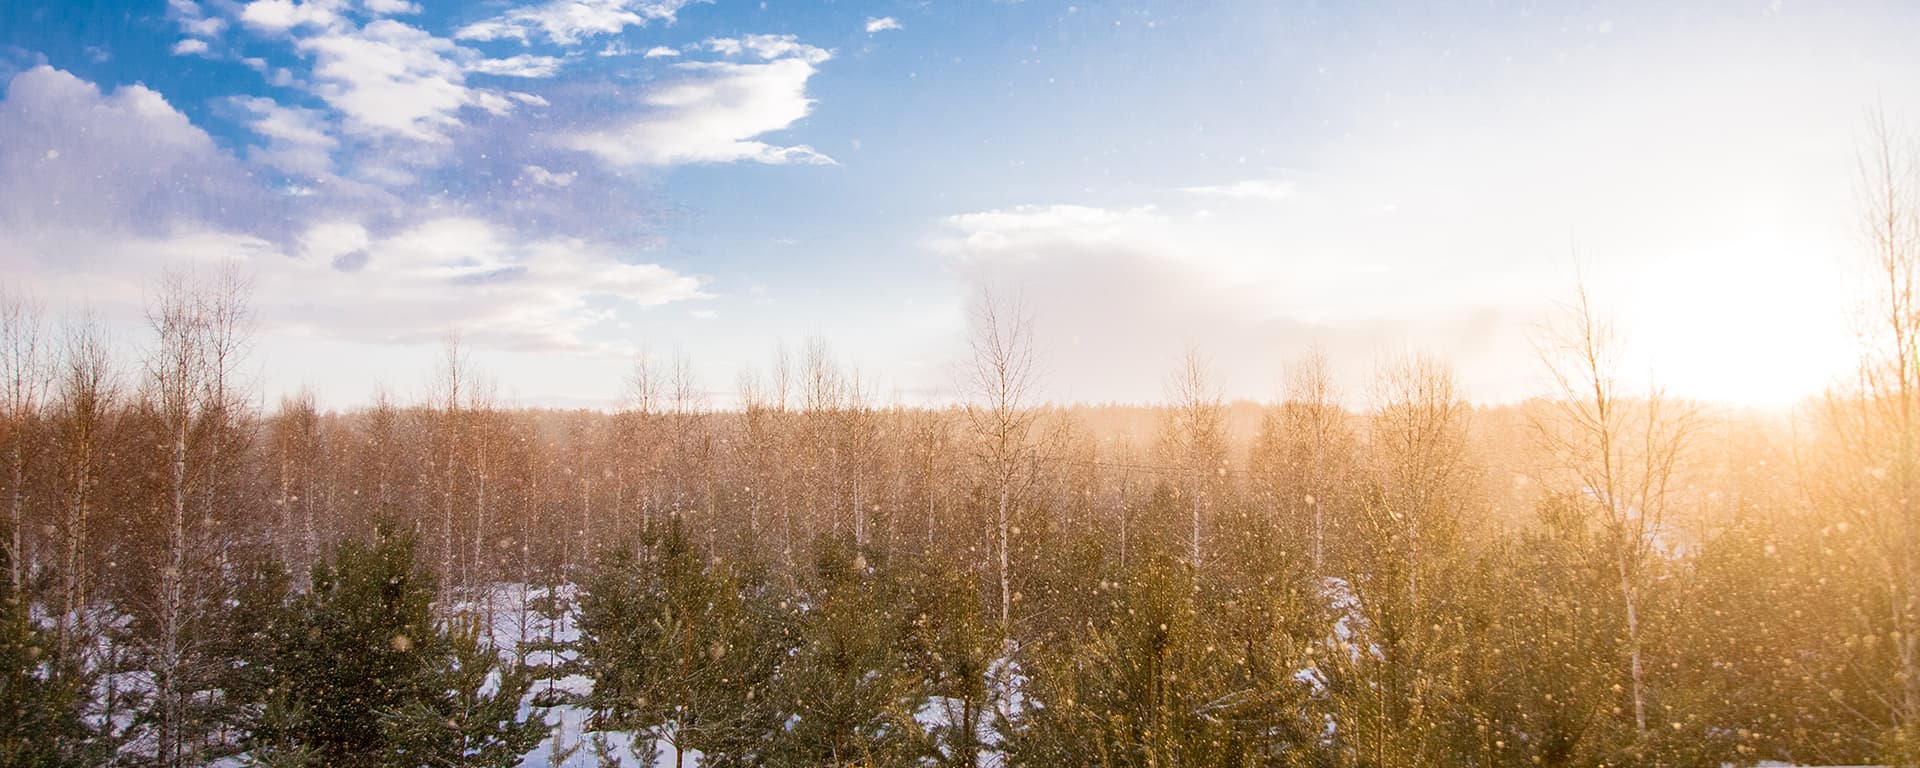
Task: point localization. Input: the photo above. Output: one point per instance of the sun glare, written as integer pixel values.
(1746, 323)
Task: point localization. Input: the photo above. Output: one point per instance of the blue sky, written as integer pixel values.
(566, 183)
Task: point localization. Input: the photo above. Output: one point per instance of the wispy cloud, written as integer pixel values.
(191, 46)
(281, 16)
(535, 174)
(392, 7)
(1247, 189)
(390, 79)
(882, 24)
(179, 199)
(466, 274)
(768, 47)
(387, 79)
(566, 22)
(523, 65)
(715, 110)
(193, 21)
(298, 140)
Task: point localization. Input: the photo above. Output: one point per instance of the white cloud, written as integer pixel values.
(882, 24)
(190, 47)
(660, 52)
(297, 138)
(390, 79)
(768, 47)
(464, 274)
(1021, 230)
(278, 16)
(280, 77)
(522, 65)
(208, 27)
(384, 172)
(1114, 284)
(64, 137)
(1143, 282)
(391, 7)
(715, 111)
(566, 22)
(193, 21)
(294, 125)
(1248, 189)
(333, 241)
(493, 102)
(97, 188)
(323, 266)
(335, 278)
(545, 178)
(338, 280)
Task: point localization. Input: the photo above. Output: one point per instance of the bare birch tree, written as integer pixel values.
(378, 476)
(86, 403)
(999, 380)
(692, 445)
(1408, 523)
(1316, 427)
(200, 331)
(1620, 451)
(820, 400)
(298, 455)
(485, 428)
(24, 377)
(859, 428)
(175, 370)
(225, 303)
(451, 384)
(646, 403)
(1196, 438)
(1874, 428)
(1418, 434)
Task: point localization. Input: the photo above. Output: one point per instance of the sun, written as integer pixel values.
(1750, 323)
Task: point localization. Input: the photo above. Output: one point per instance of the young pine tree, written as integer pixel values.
(1148, 682)
(369, 640)
(680, 651)
(42, 695)
(466, 712)
(954, 645)
(847, 695)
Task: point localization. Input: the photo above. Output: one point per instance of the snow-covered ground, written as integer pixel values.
(547, 620)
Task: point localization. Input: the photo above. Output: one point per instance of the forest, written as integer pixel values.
(812, 576)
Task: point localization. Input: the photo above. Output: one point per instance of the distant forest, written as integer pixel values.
(1599, 576)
